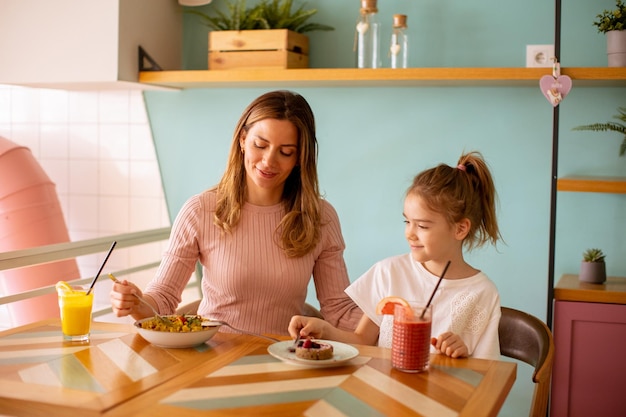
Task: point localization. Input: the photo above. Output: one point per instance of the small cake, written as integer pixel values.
(315, 351)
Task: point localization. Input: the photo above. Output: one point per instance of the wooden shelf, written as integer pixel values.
(382, 77)
(592, 184)
(597, 77)
(570, 288)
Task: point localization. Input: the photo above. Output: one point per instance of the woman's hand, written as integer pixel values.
(124, 303)
(450, 344)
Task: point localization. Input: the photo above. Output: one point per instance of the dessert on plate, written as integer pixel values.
(313, 350)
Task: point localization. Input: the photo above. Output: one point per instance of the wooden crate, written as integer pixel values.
(250, 49)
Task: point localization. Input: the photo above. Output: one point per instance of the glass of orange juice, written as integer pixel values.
(75, 306)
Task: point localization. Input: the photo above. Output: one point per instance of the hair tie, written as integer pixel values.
(461, 167)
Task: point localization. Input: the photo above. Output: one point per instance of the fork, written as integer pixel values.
(293, 347)
(156, 313)
(223, 323)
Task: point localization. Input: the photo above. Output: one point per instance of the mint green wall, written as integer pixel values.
(443, 33)
(372, 142)
(373, 139)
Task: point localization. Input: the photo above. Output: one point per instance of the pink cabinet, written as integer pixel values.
(589, 329)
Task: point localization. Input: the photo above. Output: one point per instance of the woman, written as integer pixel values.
(260, 234)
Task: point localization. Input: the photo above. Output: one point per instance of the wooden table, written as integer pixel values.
(119, 374)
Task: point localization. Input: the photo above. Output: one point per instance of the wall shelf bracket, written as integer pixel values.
(143, 58)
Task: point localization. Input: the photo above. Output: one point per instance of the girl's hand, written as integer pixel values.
(451, 345)
(307, 327)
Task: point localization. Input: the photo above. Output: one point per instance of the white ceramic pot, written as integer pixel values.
(616, 48)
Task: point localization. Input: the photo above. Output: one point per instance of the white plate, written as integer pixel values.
(342, 353)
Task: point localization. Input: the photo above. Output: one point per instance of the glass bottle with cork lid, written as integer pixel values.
(399, 48)
(367, 36)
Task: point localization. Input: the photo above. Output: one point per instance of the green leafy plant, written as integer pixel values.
(267, 14)
(610, 20)
(611, 126)
(238, 17)
(593, 255)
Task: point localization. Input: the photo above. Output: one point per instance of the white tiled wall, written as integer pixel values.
(97, 148)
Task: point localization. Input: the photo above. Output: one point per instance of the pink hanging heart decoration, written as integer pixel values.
(555, 88)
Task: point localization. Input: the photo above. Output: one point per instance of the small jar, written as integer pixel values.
(399, 48)
(367, 36)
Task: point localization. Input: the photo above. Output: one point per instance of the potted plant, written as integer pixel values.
(592, 267)
(268, 14)
(611, 126)
(613, 24)
(267, 35)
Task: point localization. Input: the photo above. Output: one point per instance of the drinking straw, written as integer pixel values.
(101, 266)
(435, 290)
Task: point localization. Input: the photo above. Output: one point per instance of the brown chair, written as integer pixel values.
(191, 308)
(311, 311)
(528, 339)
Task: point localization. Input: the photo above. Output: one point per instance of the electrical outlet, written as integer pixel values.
(538, 56)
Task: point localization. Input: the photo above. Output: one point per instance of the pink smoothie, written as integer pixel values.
(410, 347)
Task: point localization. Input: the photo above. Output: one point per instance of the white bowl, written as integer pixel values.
(176, 339)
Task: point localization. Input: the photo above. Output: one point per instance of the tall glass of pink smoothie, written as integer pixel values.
(410, 346)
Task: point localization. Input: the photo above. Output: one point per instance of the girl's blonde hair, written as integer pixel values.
(464, 191)
(299, 230)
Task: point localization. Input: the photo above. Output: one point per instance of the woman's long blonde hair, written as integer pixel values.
(299, 230)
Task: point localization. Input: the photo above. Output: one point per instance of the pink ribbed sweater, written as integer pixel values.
(247, 279)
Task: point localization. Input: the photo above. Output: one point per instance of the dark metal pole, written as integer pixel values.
(555, 161)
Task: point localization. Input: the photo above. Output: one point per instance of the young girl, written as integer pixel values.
(445, 209)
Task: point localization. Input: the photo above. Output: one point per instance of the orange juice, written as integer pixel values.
(75, 309)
